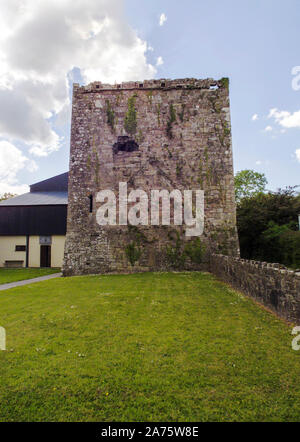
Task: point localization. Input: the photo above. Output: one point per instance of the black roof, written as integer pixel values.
(42, 211)
(53, 191)
(37, 199)
(58, 183)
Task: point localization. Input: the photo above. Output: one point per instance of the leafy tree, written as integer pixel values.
(281, 244)
(6, 196)
(265, 221)
(248, 183)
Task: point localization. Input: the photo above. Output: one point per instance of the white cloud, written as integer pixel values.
(268, 129)
(254, 117)
(40, 44)
(285, 119)
(12, 161)
(297, 152)
(162, 19)
(159, 61)
(258, 163)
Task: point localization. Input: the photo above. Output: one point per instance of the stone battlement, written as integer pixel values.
(165, 84)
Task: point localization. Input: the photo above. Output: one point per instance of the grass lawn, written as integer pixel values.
(149, 347)
(12, 275)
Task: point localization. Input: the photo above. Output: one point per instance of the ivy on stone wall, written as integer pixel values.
(110, 114)
(171, 120)
(133, 253)
(130, 122)
(224, 81)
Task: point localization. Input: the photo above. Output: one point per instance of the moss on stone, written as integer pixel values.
(158, 113)
(150, 97)
(130, 122)
(181, 114)
(133, 253)
(171, 120)
(224, 81)
(110, 114)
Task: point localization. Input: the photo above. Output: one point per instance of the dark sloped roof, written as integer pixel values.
(58, 183)
(37, 199)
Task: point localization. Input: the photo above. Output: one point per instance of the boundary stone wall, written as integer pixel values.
(273, 285)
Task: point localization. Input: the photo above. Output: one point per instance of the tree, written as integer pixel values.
(6, 196)
(267, 225)
(248, 183)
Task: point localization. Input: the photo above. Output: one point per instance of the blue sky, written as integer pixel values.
(255, 43)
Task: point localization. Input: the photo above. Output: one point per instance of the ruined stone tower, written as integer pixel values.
(158, 134)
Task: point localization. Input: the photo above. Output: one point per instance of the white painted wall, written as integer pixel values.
(8, 245)
(7, 249)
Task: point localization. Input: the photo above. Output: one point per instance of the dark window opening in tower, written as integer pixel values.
(125, 144)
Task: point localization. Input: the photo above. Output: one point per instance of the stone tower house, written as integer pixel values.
(156, 134)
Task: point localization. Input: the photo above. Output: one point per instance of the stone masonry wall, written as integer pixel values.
(273, 285)
(156, 134)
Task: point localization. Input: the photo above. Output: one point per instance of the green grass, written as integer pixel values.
(12, 275)
(144, 347)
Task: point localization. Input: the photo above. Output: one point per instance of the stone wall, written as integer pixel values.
(156, 134)
(273, 285)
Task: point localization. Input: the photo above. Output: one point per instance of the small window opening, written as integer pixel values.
(213, 87)
(163, 84)
(20, 249)
(141, 85)
(97, 86)
(91, 203)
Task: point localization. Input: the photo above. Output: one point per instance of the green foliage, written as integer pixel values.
(249, 183)
(140, 137)
(88, 162)
(179, 252)
(215, 103)
(195, 250)
(226, 131)
(133, 253)
(158, 113)
(171, 120)
(110, 115)
(280, 244)
(265, 221)
(224, 81)
(289, 244)
(178, 169)
(130, 122)
(150, 97)
(181, 114)
(97, 169)
(6, 196)
(175, 254)
(200, 174)
(136, 234)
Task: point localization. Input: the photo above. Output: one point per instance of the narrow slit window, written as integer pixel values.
(91, 203)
